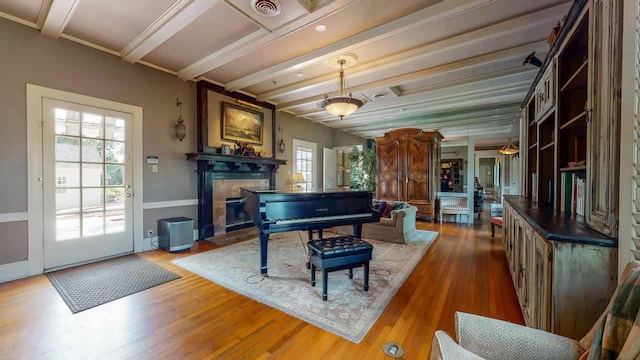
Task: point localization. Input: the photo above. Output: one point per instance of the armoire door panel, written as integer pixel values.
(389, 186)
(418, 174)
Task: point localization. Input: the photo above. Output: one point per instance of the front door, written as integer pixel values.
(88, 207)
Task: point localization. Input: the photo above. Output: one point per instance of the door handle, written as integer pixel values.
(128, 195)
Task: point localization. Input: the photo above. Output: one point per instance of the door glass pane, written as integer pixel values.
(92, 150)
(67, 148)
(114, 221)
(93, 223)
(67, 226)
(92, 199)
(115, 175)
(114, 129)
(67, 201)
(92, 175)
(92, 125)
(67, 122)
(115, 152)
(67, 174)
(115, 198)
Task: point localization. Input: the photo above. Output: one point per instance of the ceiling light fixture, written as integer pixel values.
(509, 149)
(321, 28)
(343, 104)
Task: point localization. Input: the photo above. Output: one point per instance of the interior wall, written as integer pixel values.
(303, 129)
(28, 57)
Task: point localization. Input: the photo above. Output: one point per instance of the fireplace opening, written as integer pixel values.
(236, 217)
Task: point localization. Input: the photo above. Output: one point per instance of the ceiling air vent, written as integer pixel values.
(266, 7)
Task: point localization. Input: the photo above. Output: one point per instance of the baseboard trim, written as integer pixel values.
(147, 244)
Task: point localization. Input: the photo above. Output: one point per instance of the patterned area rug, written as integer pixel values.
(87, 286)
(349, 312)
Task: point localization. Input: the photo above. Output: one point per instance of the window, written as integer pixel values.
(305, 162)
(61, 183)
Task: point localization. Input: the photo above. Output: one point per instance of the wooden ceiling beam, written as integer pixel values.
(57, 17)
(257, 40)
(428, 15)
(173, 20)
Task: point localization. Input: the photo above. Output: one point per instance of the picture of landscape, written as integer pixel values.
(241, 124)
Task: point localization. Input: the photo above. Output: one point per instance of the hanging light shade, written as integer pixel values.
(343, 104)
(509, 149)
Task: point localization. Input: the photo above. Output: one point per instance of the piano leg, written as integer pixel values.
(264, 241)
(357, 231)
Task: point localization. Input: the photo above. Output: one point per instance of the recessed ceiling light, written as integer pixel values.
(321, 28)
(403, 109)
(299, 74)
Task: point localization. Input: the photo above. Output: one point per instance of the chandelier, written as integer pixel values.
(343, 104)
(509, 149)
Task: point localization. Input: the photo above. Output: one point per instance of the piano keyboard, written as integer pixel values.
(321, 218)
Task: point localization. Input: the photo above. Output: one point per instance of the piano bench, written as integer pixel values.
(339, 253)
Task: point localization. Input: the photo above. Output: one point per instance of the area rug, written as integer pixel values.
(87, 286)
(349, 311)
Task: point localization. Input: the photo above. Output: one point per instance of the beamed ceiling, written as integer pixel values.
(452, 65)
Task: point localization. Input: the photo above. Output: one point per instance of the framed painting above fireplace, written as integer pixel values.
(241, 124)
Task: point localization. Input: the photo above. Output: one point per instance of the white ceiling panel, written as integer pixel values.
(24, 9)
(217, 28)
(114, 23)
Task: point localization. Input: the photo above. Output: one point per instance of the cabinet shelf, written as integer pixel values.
(578, 79)
(575, 121)
(575, 168)
(533, 146)
(548, 146)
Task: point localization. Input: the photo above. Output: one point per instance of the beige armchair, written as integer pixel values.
(399, 228)
(481, 337)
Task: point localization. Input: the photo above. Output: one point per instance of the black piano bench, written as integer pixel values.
(339, 253)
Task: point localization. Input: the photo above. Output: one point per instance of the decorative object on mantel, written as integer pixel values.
(343, 103)
(241, 124)
(244, 149)
(180, 129)
(281, 143)
(533, 60)
(509, 149)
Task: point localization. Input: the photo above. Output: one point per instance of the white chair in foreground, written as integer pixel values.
(481, 337)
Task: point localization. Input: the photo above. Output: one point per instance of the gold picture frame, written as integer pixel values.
(241, 124)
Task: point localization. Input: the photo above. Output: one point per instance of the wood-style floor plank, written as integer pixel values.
(193, 318)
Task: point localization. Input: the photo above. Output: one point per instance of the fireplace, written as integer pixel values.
(236, 218)
(220, 177)
(228, 214)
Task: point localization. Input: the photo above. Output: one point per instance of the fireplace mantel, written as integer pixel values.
(213, 166)
(235, 164)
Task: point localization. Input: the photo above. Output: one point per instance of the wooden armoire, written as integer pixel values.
(408, 168)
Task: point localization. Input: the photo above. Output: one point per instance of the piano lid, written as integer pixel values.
(291, 190)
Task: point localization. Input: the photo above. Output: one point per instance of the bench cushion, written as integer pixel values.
(339, 247)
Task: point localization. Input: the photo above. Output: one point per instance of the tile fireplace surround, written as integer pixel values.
(228, 188)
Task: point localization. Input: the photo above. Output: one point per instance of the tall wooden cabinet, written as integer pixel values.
(409, 168)
(560, 236)
(571, 119)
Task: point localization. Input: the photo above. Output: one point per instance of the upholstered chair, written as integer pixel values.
(481, 337)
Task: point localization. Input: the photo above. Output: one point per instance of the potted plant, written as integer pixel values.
(363, 169)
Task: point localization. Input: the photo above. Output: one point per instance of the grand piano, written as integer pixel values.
(274, 211)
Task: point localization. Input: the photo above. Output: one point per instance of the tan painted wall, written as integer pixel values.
(302, 129)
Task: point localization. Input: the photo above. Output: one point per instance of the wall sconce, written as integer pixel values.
(281, 143)
(180, 129)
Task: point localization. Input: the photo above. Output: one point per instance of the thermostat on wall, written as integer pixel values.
(152, 159)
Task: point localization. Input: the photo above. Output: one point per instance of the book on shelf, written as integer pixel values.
(572, 193)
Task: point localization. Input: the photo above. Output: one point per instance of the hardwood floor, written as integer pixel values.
(464, 270)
